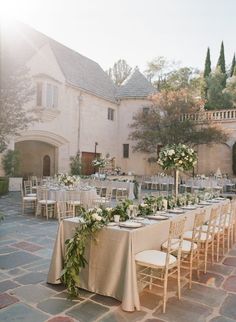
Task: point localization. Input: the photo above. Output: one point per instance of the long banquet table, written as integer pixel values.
(111, 269)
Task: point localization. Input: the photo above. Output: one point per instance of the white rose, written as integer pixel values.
(143, 205)
(96, 217)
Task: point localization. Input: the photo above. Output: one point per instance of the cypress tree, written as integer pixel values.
(221, 64)
(232, 66)
(221, 60)
(207, 69)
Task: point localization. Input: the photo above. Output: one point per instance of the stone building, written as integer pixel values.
(81, 110)
(79, 107)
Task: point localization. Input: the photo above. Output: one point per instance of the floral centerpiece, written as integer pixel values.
(67, 180)
(99, 162)
(178, 157)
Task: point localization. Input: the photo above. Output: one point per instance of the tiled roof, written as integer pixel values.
(78, 70)
(135, 86)
(83, 72)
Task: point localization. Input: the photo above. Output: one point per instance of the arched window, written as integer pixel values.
(46, 166)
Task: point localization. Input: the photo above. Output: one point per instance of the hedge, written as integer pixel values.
(4, 184)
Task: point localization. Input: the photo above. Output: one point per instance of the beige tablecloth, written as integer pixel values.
(111, 266)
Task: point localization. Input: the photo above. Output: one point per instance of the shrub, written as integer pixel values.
(11, 163)
(4, 183)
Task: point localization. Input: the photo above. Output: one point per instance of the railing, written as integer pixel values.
(217, 115)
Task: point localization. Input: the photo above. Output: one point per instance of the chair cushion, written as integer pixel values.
(189, 235)
(74, 202)
(31, 195)
(154, 258)
(186, 245)
(49, 202)
(28, 198)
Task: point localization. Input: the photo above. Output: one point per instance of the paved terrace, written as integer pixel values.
(26, 245)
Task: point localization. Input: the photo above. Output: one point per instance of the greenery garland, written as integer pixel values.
(91, 222)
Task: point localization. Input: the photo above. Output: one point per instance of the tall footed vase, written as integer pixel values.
(176, 182)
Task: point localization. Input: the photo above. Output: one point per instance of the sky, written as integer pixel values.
(134, 30)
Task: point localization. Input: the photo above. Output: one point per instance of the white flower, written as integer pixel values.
(143, 205)
(96, 217)
(171, 152)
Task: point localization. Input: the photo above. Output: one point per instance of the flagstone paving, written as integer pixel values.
(26, 245)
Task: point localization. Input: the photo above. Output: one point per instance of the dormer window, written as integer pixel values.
(51, 95)
(46, 95)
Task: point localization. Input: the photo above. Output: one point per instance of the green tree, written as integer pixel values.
(164, 124)
(230, 90)
(119, 72)
(207, 69)
(16, 91)
(158, 69)
(232, 68)
(221, 64)
(166, 75)
(217, 97)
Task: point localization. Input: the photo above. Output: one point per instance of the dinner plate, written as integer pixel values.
(204, 203)
(213, 201)
(157, 217)
(138, 218)
(131, 224)
(189, 207)
(220, 198)
(112, 224)
(176, 211)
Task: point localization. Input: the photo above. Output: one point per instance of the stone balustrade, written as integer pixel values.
(216, 115)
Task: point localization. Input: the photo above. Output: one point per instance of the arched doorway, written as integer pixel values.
(46, 166)
(36, 158)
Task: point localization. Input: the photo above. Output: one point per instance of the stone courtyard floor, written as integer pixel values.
(26, 245)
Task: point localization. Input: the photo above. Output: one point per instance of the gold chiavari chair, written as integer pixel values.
(64, 210)
(27, 201)
(155, 265)
(45, 205)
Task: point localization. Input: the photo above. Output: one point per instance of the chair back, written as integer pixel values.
(42, 193)
(175, 239)
(221, 223)
(27, 184)
(199, 221)
(212, 224)
(64, 210)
